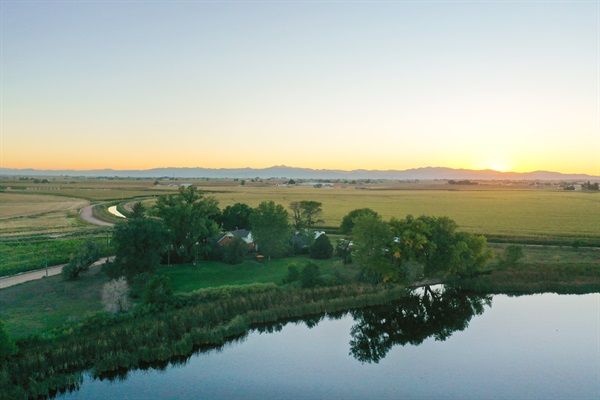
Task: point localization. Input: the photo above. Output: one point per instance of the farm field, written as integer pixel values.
(492, 209)
(22, 214)
(527, 213)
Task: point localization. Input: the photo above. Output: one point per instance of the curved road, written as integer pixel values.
(87, 215)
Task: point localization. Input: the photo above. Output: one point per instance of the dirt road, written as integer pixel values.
(38, 274)
(87, 215)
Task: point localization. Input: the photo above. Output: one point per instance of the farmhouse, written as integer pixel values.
(245, 235)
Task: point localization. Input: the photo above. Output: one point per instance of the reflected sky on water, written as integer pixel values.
(529, 347)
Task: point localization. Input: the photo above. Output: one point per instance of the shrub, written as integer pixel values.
(309, 277)
(115, 296)
(7, 347)
(292, 275)
(157, 290)
(511, 256)
(82, 260)
(234, 251)
(321, 248)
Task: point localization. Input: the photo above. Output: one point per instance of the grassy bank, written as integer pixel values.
(543, 269)
(207, 317)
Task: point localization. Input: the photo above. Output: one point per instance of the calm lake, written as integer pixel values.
(434, 345)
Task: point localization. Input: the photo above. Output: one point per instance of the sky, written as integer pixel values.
(505, 85)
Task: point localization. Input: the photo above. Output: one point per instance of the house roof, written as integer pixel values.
(245, 235)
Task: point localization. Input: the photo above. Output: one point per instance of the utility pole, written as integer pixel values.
(46, 258)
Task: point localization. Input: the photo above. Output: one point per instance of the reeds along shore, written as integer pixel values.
(54, 362)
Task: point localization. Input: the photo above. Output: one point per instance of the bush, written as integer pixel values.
(512, 256)
(7, 347)
(234, 251)
(115, 296)
(82, 260)
(157, 290)
(292, 275)
(321, 248)
(310, 275)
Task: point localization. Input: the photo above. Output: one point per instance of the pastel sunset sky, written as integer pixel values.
(506, 85)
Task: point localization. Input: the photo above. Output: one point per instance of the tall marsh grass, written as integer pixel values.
(205, 318)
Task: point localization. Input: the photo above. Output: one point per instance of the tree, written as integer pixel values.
(115, 296)
(305, 213)
(371, 243)
(321, 248)
(139, 244)
(348, 220)
(236, 216)
(297, 222)
(434, 243)
(234, 251)
(271, 229)
(190, 219)
(311, 212)
(138, 210)
(82, 260)
(7, 346)
(343, 249)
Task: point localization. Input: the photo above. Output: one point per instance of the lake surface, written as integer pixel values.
(530, 347)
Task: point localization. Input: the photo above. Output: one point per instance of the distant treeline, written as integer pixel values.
(463, 182)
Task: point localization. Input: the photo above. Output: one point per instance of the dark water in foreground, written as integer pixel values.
(530, 347)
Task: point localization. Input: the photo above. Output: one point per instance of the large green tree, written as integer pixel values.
(436, 244)
(139, 245)
(348, 221)
(372, 238)
(190, 219)
(271, 229)
(305, 213)
(386, 249)
(236, 216)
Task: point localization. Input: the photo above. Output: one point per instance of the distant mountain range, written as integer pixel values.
(282, 171)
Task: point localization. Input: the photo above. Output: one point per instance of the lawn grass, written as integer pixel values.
(189, 277)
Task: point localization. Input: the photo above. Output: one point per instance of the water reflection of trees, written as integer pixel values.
(425, 313)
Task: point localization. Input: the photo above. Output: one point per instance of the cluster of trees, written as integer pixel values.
(181, 228)
(390, 250)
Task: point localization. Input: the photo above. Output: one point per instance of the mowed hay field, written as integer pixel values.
(531, 213)
(24, 214)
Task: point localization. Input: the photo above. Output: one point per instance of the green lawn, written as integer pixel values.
(189, 277)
